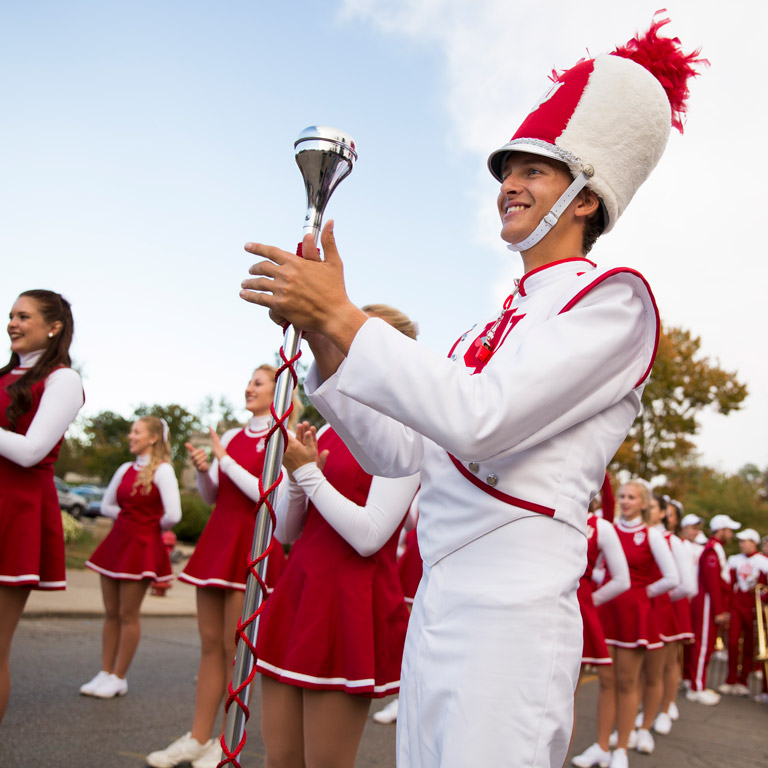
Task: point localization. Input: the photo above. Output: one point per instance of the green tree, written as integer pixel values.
(706, 492)
(682, 384)
(70, 457)
(105, 444)
(221, 414)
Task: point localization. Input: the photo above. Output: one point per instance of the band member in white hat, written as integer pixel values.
(748, 569)
(540, 397)
(709, 608)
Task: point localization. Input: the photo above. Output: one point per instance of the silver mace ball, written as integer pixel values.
(325, 157)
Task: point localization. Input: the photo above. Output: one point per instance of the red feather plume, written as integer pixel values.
(664, 59)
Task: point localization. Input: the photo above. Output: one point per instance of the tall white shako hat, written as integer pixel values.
(608, 119)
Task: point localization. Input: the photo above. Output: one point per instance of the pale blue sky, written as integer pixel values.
(143, 143)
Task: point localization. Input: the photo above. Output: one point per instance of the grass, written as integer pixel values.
(77, 552)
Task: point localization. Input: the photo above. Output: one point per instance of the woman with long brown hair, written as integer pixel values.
(40, 395)
(143, 497)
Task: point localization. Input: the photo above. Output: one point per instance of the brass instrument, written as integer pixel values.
(761, 611)
(719, 643)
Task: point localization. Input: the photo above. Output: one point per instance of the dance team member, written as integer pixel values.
(602, 542)
(709, 608)
(513, 432)
(40, 395)
(681, 627)
(219, 564)
(332, 633)
(143, 498)
(629, 621)
(748, 569)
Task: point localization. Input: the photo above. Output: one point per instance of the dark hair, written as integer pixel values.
(593, 228)
(54, 308)
(676, 528)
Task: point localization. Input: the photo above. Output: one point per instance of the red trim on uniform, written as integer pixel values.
(458, 341)
(500, 495)
(547, 266)
(582, 293)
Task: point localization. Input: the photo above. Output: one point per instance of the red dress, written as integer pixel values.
(628, 619)
(31, 535)
(336, 620)
(222, 554)
(134, 549)
(680, 626)
(595, 650)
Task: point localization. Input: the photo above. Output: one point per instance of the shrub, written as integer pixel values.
(194, 515)
(73, 530)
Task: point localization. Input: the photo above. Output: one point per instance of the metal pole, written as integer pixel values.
(325, 157)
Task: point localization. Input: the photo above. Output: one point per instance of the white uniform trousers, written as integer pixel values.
(493, 652)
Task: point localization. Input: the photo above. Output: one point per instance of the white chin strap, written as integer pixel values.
(553, 216)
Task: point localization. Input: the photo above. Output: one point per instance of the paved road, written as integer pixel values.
(48, 724)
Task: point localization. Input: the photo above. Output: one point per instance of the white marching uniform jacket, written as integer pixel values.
(529, 432)
(512, 445)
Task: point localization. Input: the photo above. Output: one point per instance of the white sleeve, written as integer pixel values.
(365, 528)
(208, 482)
(670, 578)
(688, 585)
(166, 483)
(615, 559)
(521, 399)
(248, 483)
(59, 404)
(109, 505)
(290, 513)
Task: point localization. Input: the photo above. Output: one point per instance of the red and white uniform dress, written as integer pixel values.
(602, 541)
(336, 620)
(511, 449)
(222, 554)
(711, 600)
(747, 571)
(680, 596)
(134, 550)
(663, 611)
(31, 536)
(629, 620)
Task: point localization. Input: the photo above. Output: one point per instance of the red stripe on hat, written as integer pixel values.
(550, 116)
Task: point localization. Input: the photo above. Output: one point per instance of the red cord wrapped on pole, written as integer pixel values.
(325, 157)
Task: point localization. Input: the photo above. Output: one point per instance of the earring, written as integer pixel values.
(50, 334)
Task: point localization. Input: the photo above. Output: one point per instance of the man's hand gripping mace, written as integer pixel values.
(325, 157)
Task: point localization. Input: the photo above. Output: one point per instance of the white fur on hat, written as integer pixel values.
(620, 128)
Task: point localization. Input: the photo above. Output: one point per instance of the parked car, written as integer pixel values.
(91, 495)
(94, 507)
(89, 491)
(68, 501)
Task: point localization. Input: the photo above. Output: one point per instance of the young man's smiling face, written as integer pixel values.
(530, 186)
